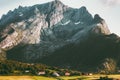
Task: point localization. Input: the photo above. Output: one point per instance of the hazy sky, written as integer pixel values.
(107, 9)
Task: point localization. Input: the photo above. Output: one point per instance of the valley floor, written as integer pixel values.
(93, 77)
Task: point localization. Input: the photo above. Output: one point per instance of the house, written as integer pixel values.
(27, 71)
(90, 74)
(67, 74)
(41, 73)
(118, 71)
(86, 74)
(56, 74)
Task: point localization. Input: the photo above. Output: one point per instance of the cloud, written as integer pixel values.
(110, 3)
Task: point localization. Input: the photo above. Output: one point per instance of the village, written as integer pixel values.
(57, 74)
(9, 67)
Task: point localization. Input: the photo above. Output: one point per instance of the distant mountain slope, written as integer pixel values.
(56, 34)
(88, 55)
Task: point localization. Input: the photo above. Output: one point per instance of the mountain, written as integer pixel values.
(58, 35)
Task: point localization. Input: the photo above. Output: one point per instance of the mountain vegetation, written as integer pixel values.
(9, 67)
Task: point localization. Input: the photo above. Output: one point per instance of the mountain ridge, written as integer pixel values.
(30, 34)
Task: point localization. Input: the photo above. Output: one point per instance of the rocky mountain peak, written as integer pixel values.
(101, 26)
(57, 4)
(83, 8)
(20, 7)
(58, 1)
(43, 28)
(97, 18)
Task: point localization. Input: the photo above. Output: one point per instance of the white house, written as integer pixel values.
(41, 73)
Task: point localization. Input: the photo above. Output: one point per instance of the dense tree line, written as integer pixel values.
(9, 67)
(14, 67)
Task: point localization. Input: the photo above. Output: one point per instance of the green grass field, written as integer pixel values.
(93, 77)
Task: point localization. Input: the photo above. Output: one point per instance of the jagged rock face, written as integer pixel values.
(101, 26)
(37, 31)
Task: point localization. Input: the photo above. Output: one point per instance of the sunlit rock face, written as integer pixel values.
(101, 26)
(37, 31)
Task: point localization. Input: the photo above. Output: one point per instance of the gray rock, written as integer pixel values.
(41, 29)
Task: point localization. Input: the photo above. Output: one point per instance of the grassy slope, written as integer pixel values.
(50, 78)
(42, 78)
(16, 78)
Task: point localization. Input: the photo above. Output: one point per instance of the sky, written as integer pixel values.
(107, 9)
